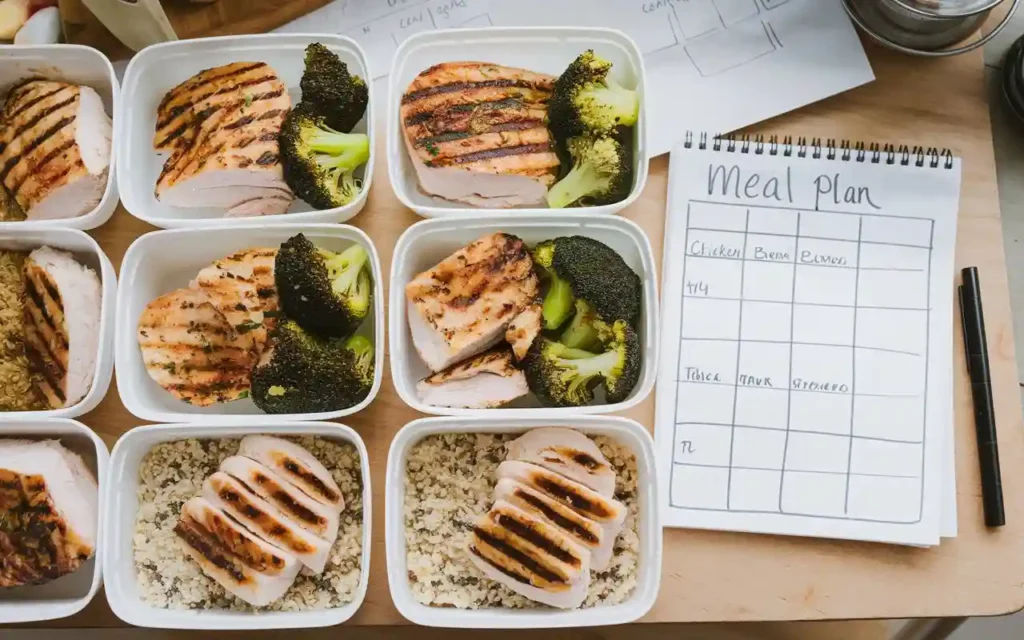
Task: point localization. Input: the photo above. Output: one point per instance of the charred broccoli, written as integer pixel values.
(595, 273)
(565, 377)
(307, 374)
(319, 162)
(602, 173)
(324, 292)
(586, 101)
(331, 91)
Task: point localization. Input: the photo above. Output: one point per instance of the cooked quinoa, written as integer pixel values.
(449, 483)
(173, 472)
(17, 389)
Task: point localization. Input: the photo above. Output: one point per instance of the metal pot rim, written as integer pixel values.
(914, 6)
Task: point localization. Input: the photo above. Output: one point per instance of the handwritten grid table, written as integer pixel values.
(802, 379)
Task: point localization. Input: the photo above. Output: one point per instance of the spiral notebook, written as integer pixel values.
(805, 386)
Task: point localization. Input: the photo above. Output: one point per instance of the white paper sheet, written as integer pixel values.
(806, 370)
(715, 65)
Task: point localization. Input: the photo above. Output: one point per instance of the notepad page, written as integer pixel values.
(806, 364)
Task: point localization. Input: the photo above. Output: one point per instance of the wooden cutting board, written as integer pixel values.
(189, 19)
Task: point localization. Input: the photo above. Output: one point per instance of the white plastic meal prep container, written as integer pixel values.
(88, 253)
(121, 507)
(625, 431)
(159, 68)
(541, 49)
(162, 261)
(68, 594)
(426, 243)
(76, 64)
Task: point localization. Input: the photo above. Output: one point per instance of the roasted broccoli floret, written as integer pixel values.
(307, 374)
(331, 91)
(320, 163)
(601, 173)
(585, 329)
(565, 377)
(324, 292)
(586, 100)
(596, 273)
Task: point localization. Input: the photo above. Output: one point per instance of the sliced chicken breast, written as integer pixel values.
(531, 557)
(583, 531)
(190, 350)
(265, 520)
(315, 517)
(568, 452)
(221, 128)
(296, 465)
(476, 133)
(486, 380)
(56, 149)
(607, 512)
(241, 287)
(524, 329)
(61, 322)
(48, 512)
(463, 305)
(245, 565)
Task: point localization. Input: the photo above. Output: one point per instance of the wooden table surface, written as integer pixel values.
(719, 576)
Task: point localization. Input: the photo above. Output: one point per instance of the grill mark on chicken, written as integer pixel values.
(241, 122)
(273, 113)
(28, 104)
(32, 146)
(286, 501)
(578, 530)
(265, 522)
(34, 120)
(512, 552)
(487, 154)
(308, 477)
(47, 159)
(249, 553)
(414, 96)
(508, 571)
(208, 112)
(20, 89)
(573, 499)
(210, 549)
(192, 83)
(178, 110)
(268, 157)
(451, 136)
(538, 539)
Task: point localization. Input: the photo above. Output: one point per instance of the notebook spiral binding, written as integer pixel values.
(844, 151)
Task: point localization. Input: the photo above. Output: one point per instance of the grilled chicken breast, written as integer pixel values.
(190, 350)
(315, 517)
(295, 465)
(220, 128)
(523, 330)
(489, 379)
(476, 133)
(568, 452)
(61, 321)
(48, 512)
(531, 557)
(241, 287)
(242, 563)
(265, 520)
(54, 148)
(463, 305)
(583, 531)
(607, 512)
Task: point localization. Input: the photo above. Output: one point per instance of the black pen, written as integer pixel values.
(976, 347)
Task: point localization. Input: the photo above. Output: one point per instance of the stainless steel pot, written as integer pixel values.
(927, 27)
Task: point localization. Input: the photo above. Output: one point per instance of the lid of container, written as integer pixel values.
(947, 8)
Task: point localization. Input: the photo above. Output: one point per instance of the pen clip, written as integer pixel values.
(963, 327)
